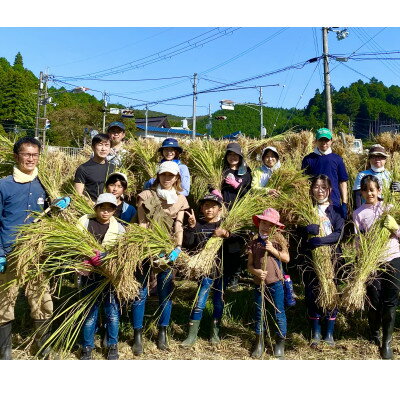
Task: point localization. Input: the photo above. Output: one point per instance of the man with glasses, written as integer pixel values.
(21, 194)
(116, 132)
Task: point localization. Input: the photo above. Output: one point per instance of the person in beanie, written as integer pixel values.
(171, 151)
(265, 256)
(262, 175)
(105, 229)
(165, 203)
(323, 161)
(116, 133)
(383, 289)
(117, 184)
(20, 195)
(195, 237)
(377, 158)
(90, 177)
(328, 232)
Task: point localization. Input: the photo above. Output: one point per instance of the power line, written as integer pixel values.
(122, 80)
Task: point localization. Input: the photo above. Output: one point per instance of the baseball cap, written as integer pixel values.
(121, 174)
(106, 198)
(211, 197)
(323, 133)
(168, 166)
(116, 123)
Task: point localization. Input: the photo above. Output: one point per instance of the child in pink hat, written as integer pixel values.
(265, 255)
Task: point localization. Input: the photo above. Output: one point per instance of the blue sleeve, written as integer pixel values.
(185, 177)
(342, 173)
(1, 224)
(337, 222)
(147, 185)
(357, 181)
(305, 165)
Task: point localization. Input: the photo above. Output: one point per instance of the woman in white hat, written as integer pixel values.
(162, 201)
(262, 175)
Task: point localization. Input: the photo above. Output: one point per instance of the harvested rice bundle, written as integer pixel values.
(6, 156)
(365, 254)
(386, 140)
(238, 218)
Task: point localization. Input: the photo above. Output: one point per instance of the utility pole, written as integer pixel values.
(147, 117)
(45, 108)
(39, 99)
(327, 79)
(209, 125)
(194, 104)
(104, 110)
(261, 114)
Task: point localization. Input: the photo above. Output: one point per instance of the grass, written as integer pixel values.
(236, 332)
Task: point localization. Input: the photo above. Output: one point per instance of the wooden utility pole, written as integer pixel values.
(327, 79)
(194, 105)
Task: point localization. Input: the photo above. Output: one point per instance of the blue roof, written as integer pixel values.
(166, 130)
(232, 135)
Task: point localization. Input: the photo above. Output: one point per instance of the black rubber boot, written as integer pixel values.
(112, 352)
(192, 335)
(5, 341)
(374, 322)
(388, 319)
(215, 326)
(330, 326)
(279, 348)
(258, 349)
(86, 353)
(137, 347)
(162, 343)
(315, 332)
(42, 334)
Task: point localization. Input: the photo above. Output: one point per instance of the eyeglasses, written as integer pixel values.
(35, 156)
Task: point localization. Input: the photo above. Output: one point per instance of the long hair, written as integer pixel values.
(325, 179)
(177, 185)
(367, 179)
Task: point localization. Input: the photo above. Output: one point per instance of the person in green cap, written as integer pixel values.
(323, 161)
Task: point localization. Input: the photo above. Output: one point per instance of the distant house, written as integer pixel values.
(159, 122)
(160, 134)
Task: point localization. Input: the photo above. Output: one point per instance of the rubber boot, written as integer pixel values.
(86, 353)
(214, 337)
(42, 334)
(112, 352)
(279, 348)
(330, 326)
(315, 332)
(374, 322)
(5, 341)
(258, 349)
(388, 319)
(137, 347)
(192, 335)
(162, 343)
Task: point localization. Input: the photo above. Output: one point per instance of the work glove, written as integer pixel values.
(216, 192)
(174, 254)
(344, 210)
(97, 259)
(230, 180)
(395, 187)
(390, 224)
(61, 203)
(312, 229)
(314, 242)
(3, 264)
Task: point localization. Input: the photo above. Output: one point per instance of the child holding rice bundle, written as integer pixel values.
(327, 233)
(163, 202)
(266, 253)
(261, 176)
(195, 237)
(236, 182)
(171, 151)
(117, 184)
(105, 228)
(383, 289)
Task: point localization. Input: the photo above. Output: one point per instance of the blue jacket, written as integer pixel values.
(128, 212)
(17, 201)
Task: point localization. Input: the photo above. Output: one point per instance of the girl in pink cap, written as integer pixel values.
(265, 255)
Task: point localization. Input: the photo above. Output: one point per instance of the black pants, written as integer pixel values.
(383, 291)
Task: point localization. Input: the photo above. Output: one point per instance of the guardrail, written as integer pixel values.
(70, 151)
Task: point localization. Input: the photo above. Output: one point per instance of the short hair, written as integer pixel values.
(369, 178)
(100, 137)
(115, 178)
(26, 140)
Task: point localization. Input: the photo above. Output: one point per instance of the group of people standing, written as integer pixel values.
(165, 197)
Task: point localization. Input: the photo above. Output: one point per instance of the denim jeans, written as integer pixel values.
(274, 292)
(164, 290)
(205, 286)
(311, 287)
(111, 311)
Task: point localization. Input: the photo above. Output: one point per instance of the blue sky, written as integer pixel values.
(235, 54)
